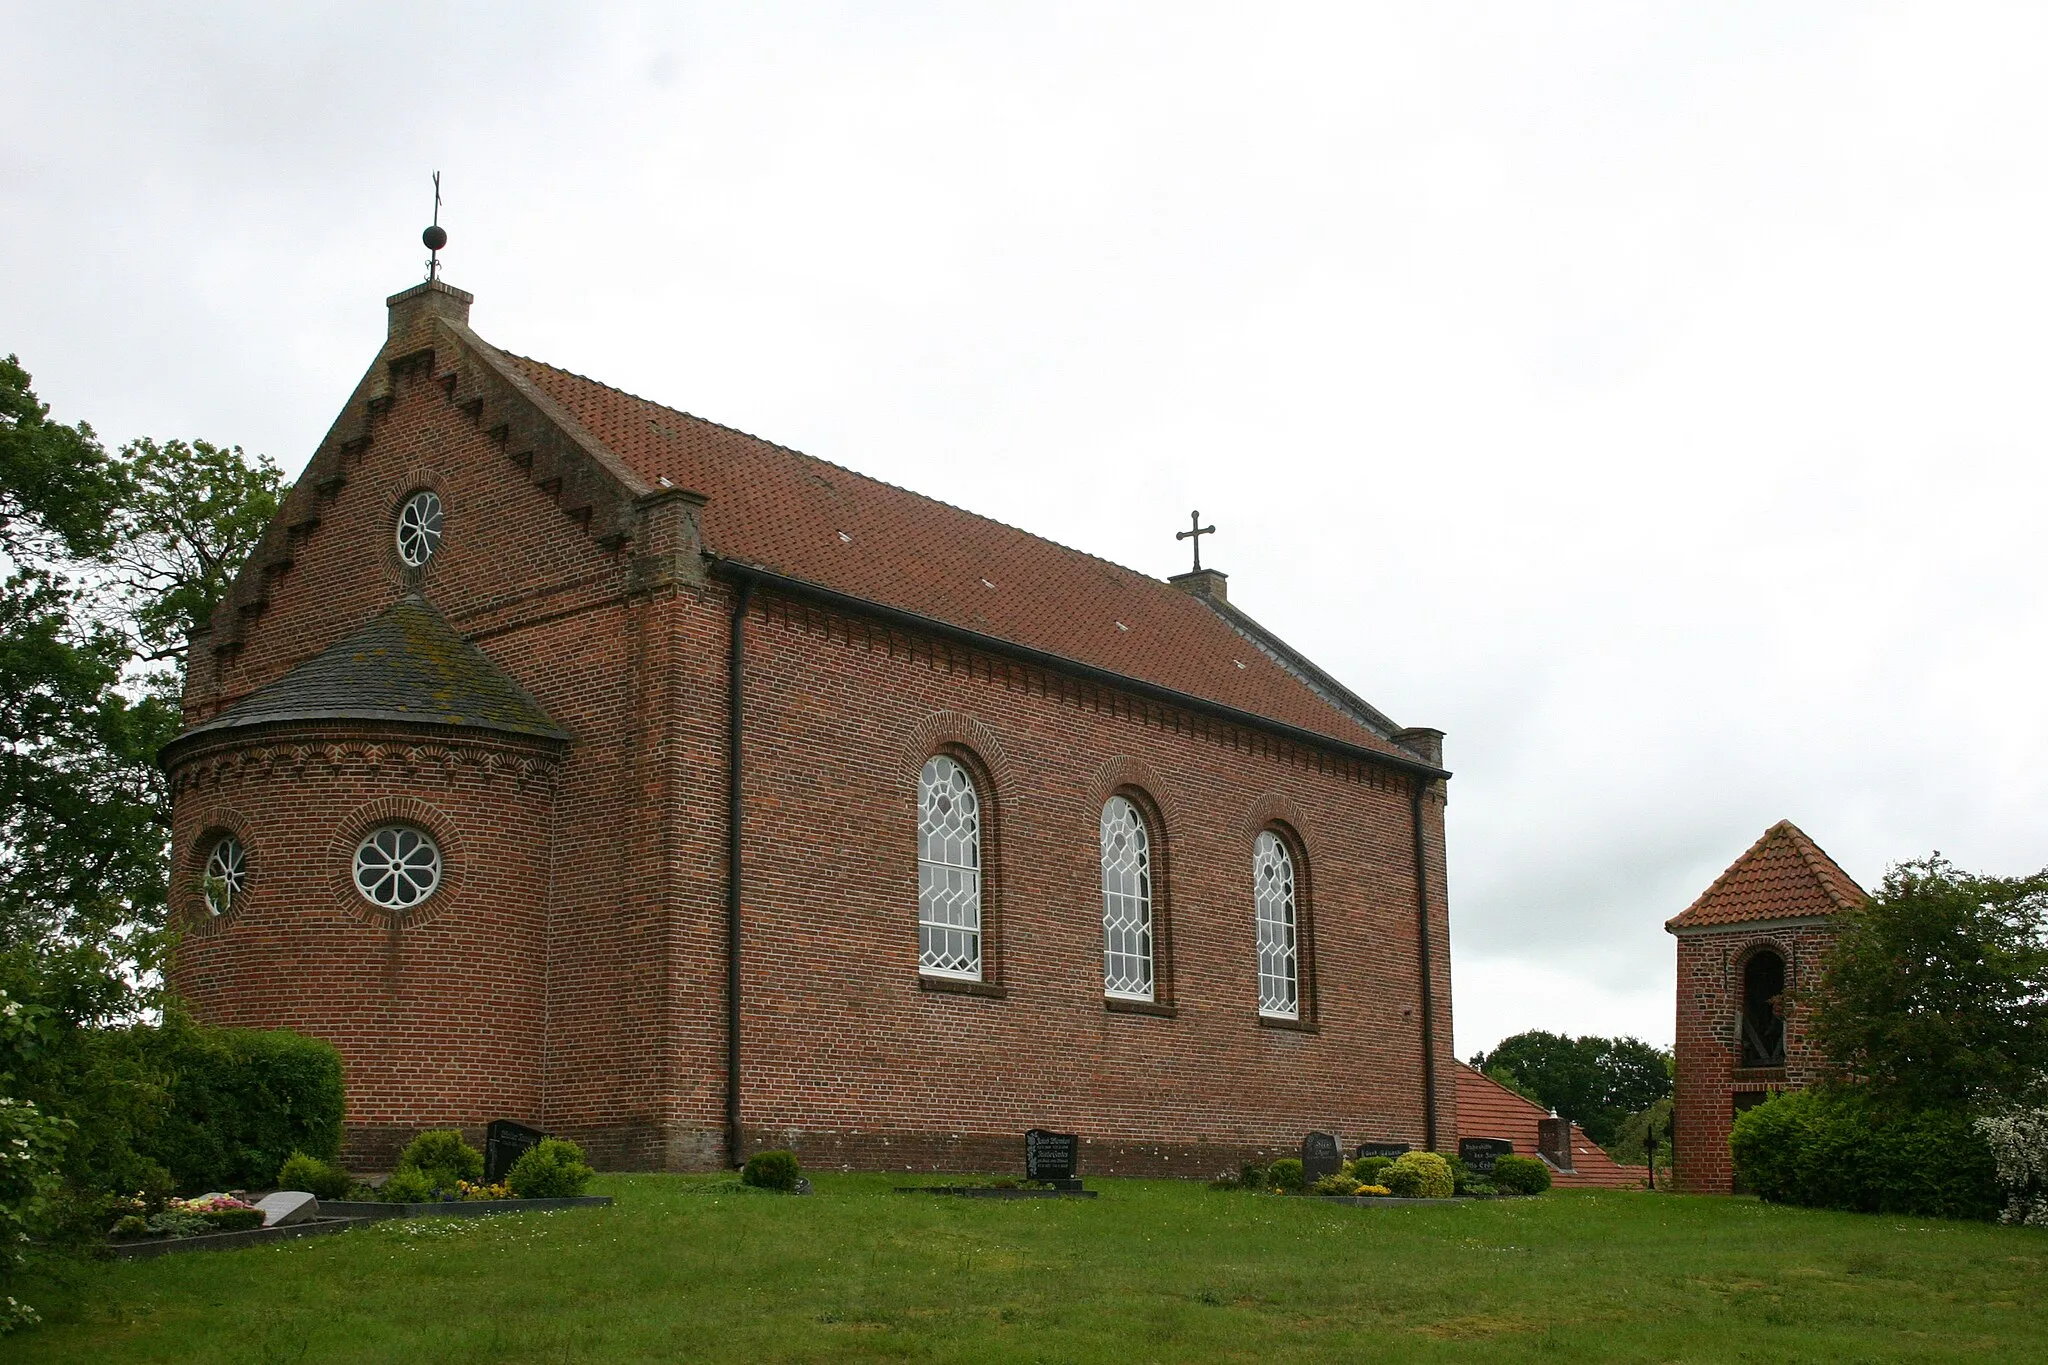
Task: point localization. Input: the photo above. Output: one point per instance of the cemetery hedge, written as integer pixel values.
(241, 1102)
(1841, 1147)
(705, 1269)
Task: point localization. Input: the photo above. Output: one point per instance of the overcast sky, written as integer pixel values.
(1648, 396)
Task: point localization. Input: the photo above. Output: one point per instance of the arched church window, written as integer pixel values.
(226, 875)
(1126, 901)
(397, 866)
(1762, 1025)
(1273, 893)
(419, 528)
(948, 870)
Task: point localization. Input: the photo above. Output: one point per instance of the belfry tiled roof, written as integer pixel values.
(1488, 1109)
(804, 518)
(1784, 875)
(407, 664)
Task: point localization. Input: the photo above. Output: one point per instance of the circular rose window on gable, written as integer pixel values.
(397, 866)
(227, 874)
(419, 528)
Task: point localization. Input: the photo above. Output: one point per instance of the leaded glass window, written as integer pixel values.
(1273, 892)
(1126, 902)
(397, 866)
(948, 870)
(419, 528)
(227, 874)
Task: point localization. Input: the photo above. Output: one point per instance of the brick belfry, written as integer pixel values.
(566, 758)
(1746, 948)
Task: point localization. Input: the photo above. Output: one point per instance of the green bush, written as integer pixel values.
(1285, 1175)
(321, 1179)
(771, 1171)
(233, 1220)
(1367, 1170)
(1419, 1175)
(553, 1169)
(407, 1186)
(1461, 1174)
(443, 1158)
(1520, 1175)
(240, 1102)
(1336, 1183)
(1836, 1147)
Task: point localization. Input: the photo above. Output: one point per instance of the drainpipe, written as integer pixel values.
(1428, 983)
(735, 701)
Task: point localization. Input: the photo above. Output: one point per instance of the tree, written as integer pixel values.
(57, 485)
(1935, 994)
(1595, 1082)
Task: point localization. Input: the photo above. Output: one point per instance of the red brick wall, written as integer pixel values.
(1710, 967)
(575, 976)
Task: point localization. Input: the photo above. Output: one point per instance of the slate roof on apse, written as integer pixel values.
(407, 664)
(1488, 1109)
(1784, 875)
(805, 518)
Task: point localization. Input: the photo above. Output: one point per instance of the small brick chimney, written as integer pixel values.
(431, 299)
(1554, 1141)
(1210, 583)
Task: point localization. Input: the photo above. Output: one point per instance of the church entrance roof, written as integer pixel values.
(407, 665)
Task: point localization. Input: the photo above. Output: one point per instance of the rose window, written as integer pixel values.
(227, 874)
(419, 528)
(397, 867)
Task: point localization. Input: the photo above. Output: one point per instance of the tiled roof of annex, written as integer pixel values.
(1489, 1109)
(1784, 875)
(807, 519)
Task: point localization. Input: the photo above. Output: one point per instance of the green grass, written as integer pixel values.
(1151, 1271)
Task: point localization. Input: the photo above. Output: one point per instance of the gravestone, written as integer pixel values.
(504, 1143)
(1386, 1149)
(287, 1207)
(1321, 1155)
(1051, 1156)
(1479, 1154)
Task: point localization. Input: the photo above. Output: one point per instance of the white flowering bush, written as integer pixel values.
(30, 1141)
(2019, 1144)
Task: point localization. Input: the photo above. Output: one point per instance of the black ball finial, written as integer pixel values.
(435, 237)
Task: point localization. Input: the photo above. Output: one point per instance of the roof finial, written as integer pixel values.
(436, 236)
(1198, 531)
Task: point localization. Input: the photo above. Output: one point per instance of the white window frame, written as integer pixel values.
(1274, 891)
(1127, 937)
(402, 857)
(949, 858)
(226, 875)
(419, 529)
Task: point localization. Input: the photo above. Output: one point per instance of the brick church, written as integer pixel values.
(1746, 947)
(563, 757)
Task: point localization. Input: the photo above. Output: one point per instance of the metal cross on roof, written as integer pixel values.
(436, 236)
(1196, 533)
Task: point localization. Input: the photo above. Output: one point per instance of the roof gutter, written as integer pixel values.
(745, 573)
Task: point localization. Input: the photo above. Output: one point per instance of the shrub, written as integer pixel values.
(1837, 1147)
(1462, 1178)
(1285, 1175)
(770, 1171)
(241, 1102)
(443, 1158)
(407, 1186)
(321, 1179)
(1366, 1170)
(1520, 1175)
(1335, 1183)
(554, 1169)
(1419, 1175)
(2018, 1139)
(129, 1228)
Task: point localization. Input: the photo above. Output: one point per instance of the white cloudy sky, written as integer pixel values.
(1650, 396)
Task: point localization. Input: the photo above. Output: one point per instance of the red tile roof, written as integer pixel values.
(802, 517)
(1488, 1109)
(1785, 875)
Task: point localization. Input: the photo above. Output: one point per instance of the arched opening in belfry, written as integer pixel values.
(1763, 1010)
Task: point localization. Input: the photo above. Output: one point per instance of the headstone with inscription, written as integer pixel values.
(1321, 1155)
(1051, 1156)
(1479, 1154)
(504, 1143)
(1385, 1149)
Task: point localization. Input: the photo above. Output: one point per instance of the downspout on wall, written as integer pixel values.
(735, 773)
(1428, 971)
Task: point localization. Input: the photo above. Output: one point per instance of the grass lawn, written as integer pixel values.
(681, 1269)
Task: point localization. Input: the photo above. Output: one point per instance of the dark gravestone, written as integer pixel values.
(1050, 1156)
(1321, 1155)
(504, 1143)
(1387, 1149)
(1479, 1154)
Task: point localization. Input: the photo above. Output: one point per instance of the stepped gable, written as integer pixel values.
(407, 665)
(1488, 1109)
(1784, 875)
(804, 518)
